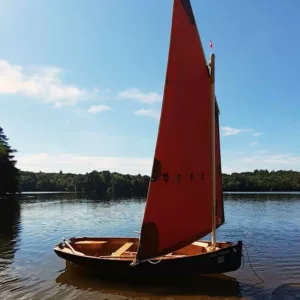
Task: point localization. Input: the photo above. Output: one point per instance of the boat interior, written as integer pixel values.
(126, 248)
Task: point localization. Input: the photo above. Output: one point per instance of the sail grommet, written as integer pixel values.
(166, 177)
(191, 176)
(178, 177)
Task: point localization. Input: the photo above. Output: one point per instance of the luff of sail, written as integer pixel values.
(179, 204)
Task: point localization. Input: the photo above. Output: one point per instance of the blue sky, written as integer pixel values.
(81, 82)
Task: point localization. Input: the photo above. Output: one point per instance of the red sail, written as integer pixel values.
(179, 203)
(220, 217)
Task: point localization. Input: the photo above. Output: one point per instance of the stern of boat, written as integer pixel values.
(225, 260)
(233, 260)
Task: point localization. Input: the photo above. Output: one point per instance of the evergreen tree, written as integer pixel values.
(9, 174)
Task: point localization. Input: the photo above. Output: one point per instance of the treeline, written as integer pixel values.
(103, 183)
(9, 174)
(119, 185)
(262, 181)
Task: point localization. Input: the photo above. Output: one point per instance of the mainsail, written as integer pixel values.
(179, 204)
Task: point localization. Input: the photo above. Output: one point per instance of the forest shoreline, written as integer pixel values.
(125, 185)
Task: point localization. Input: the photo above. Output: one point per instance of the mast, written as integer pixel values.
(220, 214)
(213, 147)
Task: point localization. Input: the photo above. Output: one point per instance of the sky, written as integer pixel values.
(81, 82)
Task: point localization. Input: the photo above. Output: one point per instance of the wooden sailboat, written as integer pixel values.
(185, 199)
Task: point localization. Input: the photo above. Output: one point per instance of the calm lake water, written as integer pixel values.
(29, 269)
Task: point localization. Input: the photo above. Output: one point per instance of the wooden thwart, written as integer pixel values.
(202, 244)
(121, 250)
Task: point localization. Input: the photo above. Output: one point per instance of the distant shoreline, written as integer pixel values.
(225, 192)
(113, 184)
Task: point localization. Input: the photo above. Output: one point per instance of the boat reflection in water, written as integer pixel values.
(218, 285)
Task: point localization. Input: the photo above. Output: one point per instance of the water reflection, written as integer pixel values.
(287, 291)
(91, 197)
(219, 286)
(261, 197)
(49, 196)
(9, 230)
(29, 269)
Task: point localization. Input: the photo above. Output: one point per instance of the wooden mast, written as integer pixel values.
(213, 141)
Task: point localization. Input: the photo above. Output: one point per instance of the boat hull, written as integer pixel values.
(220, 261)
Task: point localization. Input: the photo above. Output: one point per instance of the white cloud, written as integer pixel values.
(267, 161)
(257, 133)
(263, 151)
(227, 170)
(149, 113)
(282, 159)
(253, 144)
(44, 83)
(136, 94)
(74, 163)
(227, 131)
(260, 159)
(98, 108)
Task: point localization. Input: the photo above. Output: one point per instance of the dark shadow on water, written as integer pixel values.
(96, 197)
(51, 196)
(9, 230)
(214, 286)
(260, 291)
(289, 291)
(219, 286)
(62, 196)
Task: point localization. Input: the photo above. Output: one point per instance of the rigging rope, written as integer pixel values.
(156, 262)
(251, 264)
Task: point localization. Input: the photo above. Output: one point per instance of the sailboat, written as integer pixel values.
(185, 198)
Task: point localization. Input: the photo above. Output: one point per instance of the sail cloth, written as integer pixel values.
(179, 204)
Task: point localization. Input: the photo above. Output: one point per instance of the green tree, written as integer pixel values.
(9, 174)
(114, 184)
